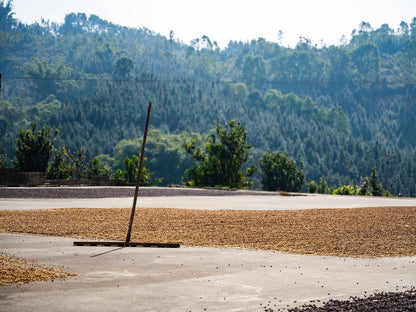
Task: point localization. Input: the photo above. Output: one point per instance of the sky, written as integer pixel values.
(321, 21)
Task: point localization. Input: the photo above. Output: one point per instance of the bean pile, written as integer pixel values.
(358, 232)
(381, 302)
(14, 270)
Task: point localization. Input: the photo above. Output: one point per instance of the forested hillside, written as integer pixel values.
(338, 109)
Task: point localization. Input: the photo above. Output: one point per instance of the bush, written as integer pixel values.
(346, 190)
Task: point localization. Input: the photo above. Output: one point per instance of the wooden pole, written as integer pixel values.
(136, 192)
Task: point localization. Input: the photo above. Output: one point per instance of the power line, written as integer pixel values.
(295, 82)
(60, 79)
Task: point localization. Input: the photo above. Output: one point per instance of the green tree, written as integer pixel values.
(34, 149)
(323, 186)
(104, 59)
(74, 23)
(48, 78)
(222, 160)
(3, 159)
(124, 68)
(67, 165)
(312, 187)
(254, 70)
(59, 168)
(7, 20)
(236, 90)
(367, 61)
(129, 175)
(375, 185)
(279, 172)
(364, 188)
(79, 163)
(339, 69)
(166, 155)
(372, 186)
(96, 168)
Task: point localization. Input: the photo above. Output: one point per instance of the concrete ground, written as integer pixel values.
(195, 279)
(250, 202)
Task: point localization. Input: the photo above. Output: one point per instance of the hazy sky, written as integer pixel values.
(225, 20)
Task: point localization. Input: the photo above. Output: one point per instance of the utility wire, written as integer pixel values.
(298, 82)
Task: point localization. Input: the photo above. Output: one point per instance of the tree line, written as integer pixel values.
(219, 162)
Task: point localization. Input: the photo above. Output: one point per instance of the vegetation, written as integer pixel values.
(129, 175)
(3, 159)
(370, 186)
(69, 166)
(338, 109)
(222, 160)
(279, 172)
(34, 149)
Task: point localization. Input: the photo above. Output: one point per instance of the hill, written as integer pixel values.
(338, 109)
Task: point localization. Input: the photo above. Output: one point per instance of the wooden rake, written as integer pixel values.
(128, 243)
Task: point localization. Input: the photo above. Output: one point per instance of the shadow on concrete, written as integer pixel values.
(107, 252)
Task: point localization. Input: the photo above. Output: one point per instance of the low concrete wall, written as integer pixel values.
(94, 181)
(12, 177)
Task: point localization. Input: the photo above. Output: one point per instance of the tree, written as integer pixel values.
(67, 165)
(34, 149)
(323, 186)
(96, 168)
(104, 59)
(3, 159)
(222, 160)
(372, 186)
(312, 187)
(375, 185)
(79, 163)
(123, 70)
(339, 69)
(279, 172)
(236, 90)
(367, 61)
(254, 70)
(59, 168)
(132, 168)
(7, 20)
(48, 78)
(74, 23)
